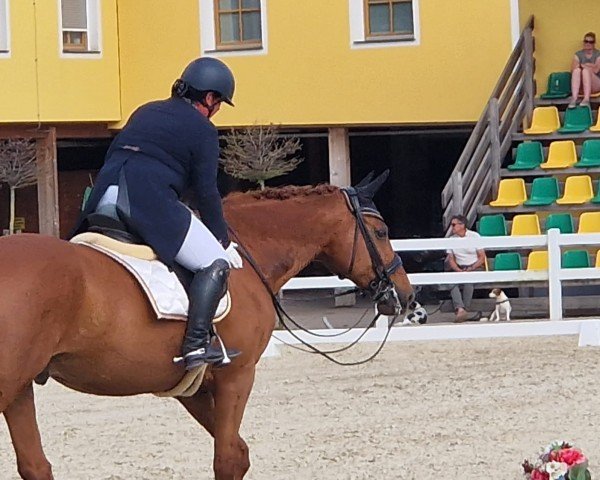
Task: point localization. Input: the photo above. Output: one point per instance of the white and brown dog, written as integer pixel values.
(502, 305)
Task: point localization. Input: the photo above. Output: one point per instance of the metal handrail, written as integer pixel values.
(477, 172)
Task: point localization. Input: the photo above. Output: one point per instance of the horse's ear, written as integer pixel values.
(365, 180)
(371, 189)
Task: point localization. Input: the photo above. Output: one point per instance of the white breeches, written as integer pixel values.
(199, 249)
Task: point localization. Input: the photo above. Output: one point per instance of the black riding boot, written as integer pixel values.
(206, 289)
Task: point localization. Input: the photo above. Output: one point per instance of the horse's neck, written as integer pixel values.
(282, 238)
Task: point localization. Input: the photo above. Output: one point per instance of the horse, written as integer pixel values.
(76, 314)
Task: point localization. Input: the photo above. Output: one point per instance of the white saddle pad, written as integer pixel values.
(162, 287)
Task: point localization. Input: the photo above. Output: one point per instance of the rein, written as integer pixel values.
(380, 288)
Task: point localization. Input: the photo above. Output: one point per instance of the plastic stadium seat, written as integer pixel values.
(559, 85)
(507, 261)
(492, 226)
(545, 120)
(577, 120)
(596, 128)
(511, 193)
(562, 221)
(598, 259)
(596, 199)
(590, 154)
(529, 156)
(575, 259)
(538, 260)
(544, 191)
(528, 224)
(589, 222)
(561, 154)
(578, 190)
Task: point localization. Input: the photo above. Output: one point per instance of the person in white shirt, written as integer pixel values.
(463, 260)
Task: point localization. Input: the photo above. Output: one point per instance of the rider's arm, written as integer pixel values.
(204, 168)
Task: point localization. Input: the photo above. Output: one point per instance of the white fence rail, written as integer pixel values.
(554, 276)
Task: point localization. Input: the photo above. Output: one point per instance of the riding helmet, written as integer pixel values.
(208, 74)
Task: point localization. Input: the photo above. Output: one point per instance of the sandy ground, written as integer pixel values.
(436, 410)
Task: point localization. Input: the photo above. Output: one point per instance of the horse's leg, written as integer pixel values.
(32, 464)
(202, 407)
(232, 389)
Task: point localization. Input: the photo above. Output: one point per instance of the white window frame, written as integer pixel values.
(358, 35)
(5, 30)
(208, 39)
(94, 32)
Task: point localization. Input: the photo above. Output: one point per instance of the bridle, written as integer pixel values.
(381, 288)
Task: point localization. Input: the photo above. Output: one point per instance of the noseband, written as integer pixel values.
(381, 287)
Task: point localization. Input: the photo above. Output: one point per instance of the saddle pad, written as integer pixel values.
(162, 287)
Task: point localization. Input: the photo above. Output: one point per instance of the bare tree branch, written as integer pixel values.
(258, 154)
(18, 167)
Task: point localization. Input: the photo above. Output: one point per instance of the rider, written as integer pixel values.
(166, 147)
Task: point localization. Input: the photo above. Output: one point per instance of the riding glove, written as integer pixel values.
(233, 257)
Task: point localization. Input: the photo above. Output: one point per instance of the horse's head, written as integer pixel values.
(360, 249)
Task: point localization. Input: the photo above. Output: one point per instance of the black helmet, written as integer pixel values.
(208, 74)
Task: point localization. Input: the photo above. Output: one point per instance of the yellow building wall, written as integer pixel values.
(74, 89)
(558, 31)
(311, 76)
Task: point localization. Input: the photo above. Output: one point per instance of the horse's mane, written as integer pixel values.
(282, 193)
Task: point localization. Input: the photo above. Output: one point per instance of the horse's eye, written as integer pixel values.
(381, 233)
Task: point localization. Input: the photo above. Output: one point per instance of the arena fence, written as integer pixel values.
(554, 242)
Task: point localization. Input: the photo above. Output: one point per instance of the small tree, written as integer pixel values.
(18, 169)
(258, 154)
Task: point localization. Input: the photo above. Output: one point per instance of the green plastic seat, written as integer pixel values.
(562, 221)
(544, 191)
(596, 198)
(507, 261)
(529, 156)
(577, 120)
(86, 196)
(559, 85)
(590, 154)
(575, 259)
(492, 226)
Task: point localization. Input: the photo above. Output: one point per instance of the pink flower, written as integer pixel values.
(571, 456)
(537, 475)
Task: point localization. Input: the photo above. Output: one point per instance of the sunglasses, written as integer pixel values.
(589, 41)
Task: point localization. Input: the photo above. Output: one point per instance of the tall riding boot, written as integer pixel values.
(206, 289)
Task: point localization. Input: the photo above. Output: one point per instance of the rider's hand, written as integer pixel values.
(233, 256)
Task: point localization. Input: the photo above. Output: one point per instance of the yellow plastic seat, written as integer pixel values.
(528, 224)
(578, 190)
(589, 222)
(511, 193)
(598, 259)
(545, 120)
(561, 154)
(596, 128)
(537, 260)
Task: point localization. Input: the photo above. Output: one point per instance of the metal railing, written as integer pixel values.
(477, 173)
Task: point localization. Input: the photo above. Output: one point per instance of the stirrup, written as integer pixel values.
(207, 354)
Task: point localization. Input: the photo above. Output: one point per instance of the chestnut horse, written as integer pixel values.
(73, 312)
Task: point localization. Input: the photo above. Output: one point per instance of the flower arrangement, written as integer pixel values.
(558, 461)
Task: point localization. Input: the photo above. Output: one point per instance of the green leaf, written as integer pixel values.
(579, 472)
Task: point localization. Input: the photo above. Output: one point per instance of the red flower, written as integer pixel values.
(571, 456)
(537, 475)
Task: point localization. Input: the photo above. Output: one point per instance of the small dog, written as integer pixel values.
(502, 305)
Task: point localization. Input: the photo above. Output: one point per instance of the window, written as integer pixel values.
(79, 25)
(389, 18)
(238, 23)
(4, 30)
(384, 23)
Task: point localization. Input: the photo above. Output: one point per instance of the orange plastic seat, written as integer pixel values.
(511, 193)
(561, 154)
(545, 120)
(589, 222)
(537, 260)
(578, 190)
(528, 224)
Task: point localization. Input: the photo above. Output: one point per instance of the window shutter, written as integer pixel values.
(74, 14)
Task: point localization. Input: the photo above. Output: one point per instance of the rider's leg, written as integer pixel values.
(202, 254)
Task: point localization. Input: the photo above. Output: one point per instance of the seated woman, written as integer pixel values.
(585, 69)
